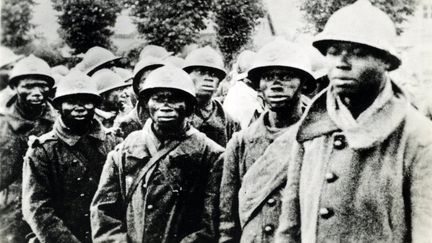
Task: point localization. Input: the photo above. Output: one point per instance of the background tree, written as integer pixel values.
(15, 22)
(235, 21)
(317, 12)
(171, 24)
(86, 23)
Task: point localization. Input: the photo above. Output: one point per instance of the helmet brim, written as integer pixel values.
(322, 45)
(137, 77)
(95, 98)
(101, 65)
(14, 80)
(123, 85)
(255, 73)
(220, 74)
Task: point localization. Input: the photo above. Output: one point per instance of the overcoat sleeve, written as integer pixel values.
(421, 196)
(37, 199)
(107, 209)
(229, 226)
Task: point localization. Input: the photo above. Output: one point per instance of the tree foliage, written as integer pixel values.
(86, 23)
(171, 24)
(235, 21)
(317, 12)
(15, 22)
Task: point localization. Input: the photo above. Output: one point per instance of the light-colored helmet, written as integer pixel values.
(31, 66)
(169, 77)
(124, 73)
(176, 61)
(76, 83)
(244, 62)
(145, 64)
(96, 58)
(58, 72)
(281, 54)
(107, 80)
(154, 51)
(205, 57)
(364, 24)
(7, 56)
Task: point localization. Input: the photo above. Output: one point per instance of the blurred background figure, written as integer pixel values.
(58, 72)
(116, 102)
(241, 101)
(7, 60)
(97, 58)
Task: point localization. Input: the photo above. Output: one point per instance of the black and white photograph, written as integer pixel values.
(215, 121)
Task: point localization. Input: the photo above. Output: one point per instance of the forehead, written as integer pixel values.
(32, 81)
(77, 99)
(164, 92)
(280, 71)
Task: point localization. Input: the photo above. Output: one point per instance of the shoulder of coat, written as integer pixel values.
(43, 139)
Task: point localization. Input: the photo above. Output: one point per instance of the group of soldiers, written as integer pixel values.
(162, 154)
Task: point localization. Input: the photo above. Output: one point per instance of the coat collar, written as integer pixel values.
(64, 134)
(317, 122)
(18, 122)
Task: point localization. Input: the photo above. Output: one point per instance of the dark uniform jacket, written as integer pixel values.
(15, 131)
(177, 202)
(252, 182)
(369, 184)
(60, 176)
(219, 126)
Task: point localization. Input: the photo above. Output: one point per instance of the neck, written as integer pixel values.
(30, 112)
(204, 102)
(78, 129)
(165, 133)
(285, 116)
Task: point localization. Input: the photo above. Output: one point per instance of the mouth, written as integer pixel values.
(342, 82)
(167, 118)
(35, 102)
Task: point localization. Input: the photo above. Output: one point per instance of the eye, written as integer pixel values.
(332, 50)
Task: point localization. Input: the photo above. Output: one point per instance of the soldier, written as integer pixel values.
(27, 114)
(62, 167)
(154, 51)
(97, 58)
(205, 66)
(361, 168)
(115, 97)
(241, 101)
(161, 184)
(253, 177)
(135, 119)
(8, 59)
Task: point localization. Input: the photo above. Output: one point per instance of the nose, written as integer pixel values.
(342, 61)
(36, 92)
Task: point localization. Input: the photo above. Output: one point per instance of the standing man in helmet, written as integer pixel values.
(135, 119)
(62, 167)
(253, 177)
(27, 114)
(161, 184)
(361, 169)
(205, 66)
(8, 59)
(116, 102)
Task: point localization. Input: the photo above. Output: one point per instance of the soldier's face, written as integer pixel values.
(116, 100)
(77, 111)
(32, 92)
(355, 70)
(167, 109)
(280, 87)
(205, 80)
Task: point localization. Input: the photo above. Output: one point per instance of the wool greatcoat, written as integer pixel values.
(369, 184)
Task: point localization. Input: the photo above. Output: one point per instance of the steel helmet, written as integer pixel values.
(107, 80)
(169, 77)
(361, 23)
(145, 64)
(283, 54)
(7, 56)
(96, 58)
(244, 62)
(74, 84)
(58, 72)
(154, 51)
(31, 66)
(124, 73)
(205, 57)
(176, 61)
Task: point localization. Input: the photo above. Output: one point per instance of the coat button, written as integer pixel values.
(271, 202)
(268, 229)
(82, 195)
(79, 179)
(330, 177)
(86, 215)
(339, 142)
(74, 161)
(325, 213)
(149, 207)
